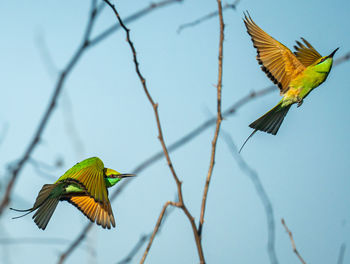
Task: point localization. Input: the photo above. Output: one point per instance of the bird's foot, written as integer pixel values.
(300, 102)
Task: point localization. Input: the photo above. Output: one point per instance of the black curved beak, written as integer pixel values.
(125, 175)
(332, 54)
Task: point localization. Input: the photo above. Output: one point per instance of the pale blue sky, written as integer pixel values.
(304, 169)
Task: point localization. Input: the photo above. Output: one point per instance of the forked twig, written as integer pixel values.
(156, 228)
(179, 204)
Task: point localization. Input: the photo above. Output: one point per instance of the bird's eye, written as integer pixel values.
(322, 60)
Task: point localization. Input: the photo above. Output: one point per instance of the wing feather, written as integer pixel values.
(95, 211)
(89, 173)
(307, 55)
(277, 61)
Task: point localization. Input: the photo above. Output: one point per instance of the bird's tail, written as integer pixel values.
(46, 204)
(272, 120)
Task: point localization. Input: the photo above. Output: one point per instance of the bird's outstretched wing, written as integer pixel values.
(277, 61)
(89, 173)
(307, 55)
(93, 210)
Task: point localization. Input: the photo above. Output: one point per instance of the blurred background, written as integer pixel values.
(103, 111)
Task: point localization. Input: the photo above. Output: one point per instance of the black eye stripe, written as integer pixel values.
(322, 60)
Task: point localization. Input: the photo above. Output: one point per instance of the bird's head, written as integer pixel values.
(324, 64)
(112, 176)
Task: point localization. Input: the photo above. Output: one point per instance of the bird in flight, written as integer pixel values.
(296, 74)
(85, 186)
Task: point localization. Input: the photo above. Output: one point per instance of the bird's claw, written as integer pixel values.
(300, 102)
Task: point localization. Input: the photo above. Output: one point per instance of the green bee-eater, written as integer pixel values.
(85, 186)
(296, 75)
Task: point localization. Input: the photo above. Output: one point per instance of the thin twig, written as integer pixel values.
(94, 41)
(292, 241)
(208, 16)
(181, 203)
(259, 188)
(218, 122)
(86, 43)
(15, 170)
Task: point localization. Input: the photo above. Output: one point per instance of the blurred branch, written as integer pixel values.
(218, 121)
(292, 241)
(33, 240)
(137, 15)
(4, 130)
(205, 125)
(91, 43)
(181, 203)
(341, 254)
(143, 240)
(208, 16)
(39, 166)
(67, 106)
(15, 170)
(86, 43)
(253, 176)
(75, 243)
(177, 144)
(342, 59)
(70, 126)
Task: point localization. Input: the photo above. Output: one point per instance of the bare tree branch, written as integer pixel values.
(181, 203)
(16, 169)
(342, 59)
(292, 241)
(86, 43)
(259, 188)
(208, 16)
(218, 122)
(75, 243)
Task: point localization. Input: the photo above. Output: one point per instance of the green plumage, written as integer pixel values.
(296, 74)
(85, 186)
